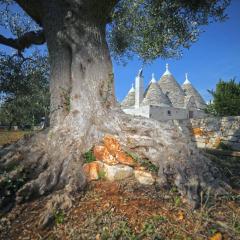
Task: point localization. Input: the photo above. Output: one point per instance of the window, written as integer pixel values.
(190, 114)
(169, 113)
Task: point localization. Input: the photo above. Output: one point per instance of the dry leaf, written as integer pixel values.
(98, 237)
(180, 216)
(216, 236)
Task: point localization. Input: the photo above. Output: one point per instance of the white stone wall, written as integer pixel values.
(158, 113)
(199, 114)
(162, 113)
(142, 111)
(167, 113)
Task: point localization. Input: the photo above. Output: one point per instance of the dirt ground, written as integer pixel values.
(127, 210)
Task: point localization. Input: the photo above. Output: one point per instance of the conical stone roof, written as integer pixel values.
(169, 86)
(190, 102)
(154, 95)
(191, 91)
(129, 100)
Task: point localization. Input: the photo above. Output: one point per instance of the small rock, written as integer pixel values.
(98, 152)
(92, 170)
(117, 172)
(123, 158)
(101, 153)
(143, 177)
(112, 144)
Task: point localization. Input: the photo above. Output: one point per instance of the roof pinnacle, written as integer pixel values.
(132, 89)
(186, 79)
(167, 72)
(153, 80)
(140, 72)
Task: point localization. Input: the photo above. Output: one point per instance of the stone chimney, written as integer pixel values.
(139, 89)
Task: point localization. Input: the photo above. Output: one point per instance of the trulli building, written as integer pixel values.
(164, 99)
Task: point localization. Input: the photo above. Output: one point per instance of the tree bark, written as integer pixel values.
(81, 68)
(82, 98)
(59, 55)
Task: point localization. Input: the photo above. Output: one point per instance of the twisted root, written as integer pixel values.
(53, 159)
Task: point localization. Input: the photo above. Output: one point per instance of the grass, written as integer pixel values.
(59, 217)
(230, 168)
(12, 185)
(144, 162)
(101, 174)
(11, 180)
(8, 137)
(223, 146)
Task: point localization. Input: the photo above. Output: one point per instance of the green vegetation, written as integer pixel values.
(59, 217)
(177, 201)
(226, 99)
(89, 156)
(124, 231)
(229, 167)
(101, 174)
(144, 162)
(11, 185)
(148, 165)
(156, 28)
(24, 84)
(11, 180)
(224, 146)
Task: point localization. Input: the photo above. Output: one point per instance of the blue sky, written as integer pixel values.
(216, 55)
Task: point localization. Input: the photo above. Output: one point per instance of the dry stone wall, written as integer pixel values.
(213, 132)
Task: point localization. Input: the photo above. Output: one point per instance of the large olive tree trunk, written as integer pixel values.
(81, 68)
(83, 110)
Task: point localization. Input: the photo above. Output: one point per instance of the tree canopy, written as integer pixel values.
(24, 85)
(156, 28)
(226, 99)
(147, 28)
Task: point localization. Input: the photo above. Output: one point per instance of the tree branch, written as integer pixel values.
(24, 41)
(32, 8)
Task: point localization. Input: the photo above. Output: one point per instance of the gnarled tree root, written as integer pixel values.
(53, 159)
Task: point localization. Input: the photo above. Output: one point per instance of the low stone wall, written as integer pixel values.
(215, 132)
(163, 113)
